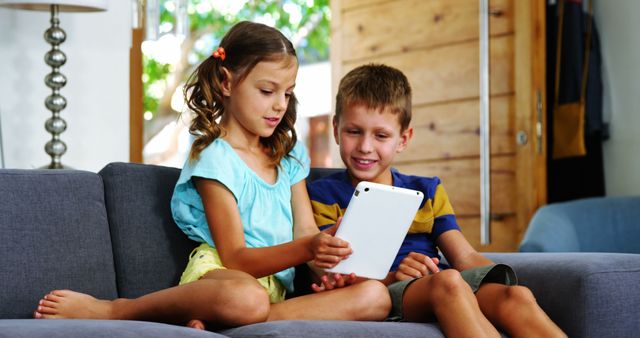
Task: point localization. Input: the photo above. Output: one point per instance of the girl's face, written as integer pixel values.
(369, 140)
(255, 106)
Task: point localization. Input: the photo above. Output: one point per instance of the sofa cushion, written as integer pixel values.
(55, 235)
(150, 251)
(334, 328)
(66, 328)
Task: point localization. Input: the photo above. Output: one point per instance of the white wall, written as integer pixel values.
(97, 90)
(618, 27)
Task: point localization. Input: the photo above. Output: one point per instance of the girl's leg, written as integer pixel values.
(515, 310)
(449, 298)
(222, 297)
(368, 300)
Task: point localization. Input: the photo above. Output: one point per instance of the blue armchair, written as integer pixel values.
(601, 224)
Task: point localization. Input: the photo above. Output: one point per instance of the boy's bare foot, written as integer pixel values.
(60, 304)
(196, 324)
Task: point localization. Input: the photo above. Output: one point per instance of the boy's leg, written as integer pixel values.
(515, 310)
(222, 297)
(368, 300)
(449, 298)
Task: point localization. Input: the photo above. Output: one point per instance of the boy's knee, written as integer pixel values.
(448, 283)
(513, 300)
(520, 295)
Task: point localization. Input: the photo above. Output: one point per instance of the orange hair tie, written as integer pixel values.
(219, 54)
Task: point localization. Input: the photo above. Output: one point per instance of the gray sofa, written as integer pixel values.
(111, 235)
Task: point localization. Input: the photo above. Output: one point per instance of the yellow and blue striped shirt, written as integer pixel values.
(330, 196)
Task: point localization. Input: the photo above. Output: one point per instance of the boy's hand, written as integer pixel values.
(334, 281)
(416, 265)
(329, 250)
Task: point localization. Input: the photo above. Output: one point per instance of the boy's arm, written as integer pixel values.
(459, 253)
(455, 248)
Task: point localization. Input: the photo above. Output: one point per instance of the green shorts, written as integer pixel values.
(495, 273)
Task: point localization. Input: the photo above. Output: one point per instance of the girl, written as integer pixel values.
(242, 194)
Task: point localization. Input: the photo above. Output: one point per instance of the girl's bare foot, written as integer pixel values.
(196, 324)
(70, 304)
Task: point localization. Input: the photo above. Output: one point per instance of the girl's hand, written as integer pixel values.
(334, 281)
(416, 265)
(329, 250)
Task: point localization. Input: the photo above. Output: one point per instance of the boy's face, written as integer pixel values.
(369, 139)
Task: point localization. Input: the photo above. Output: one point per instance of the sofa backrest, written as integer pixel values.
(150, 251)
(55, 235)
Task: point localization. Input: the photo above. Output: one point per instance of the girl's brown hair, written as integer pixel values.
(245, 45)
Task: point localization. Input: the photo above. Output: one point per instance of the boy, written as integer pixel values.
(475, 298)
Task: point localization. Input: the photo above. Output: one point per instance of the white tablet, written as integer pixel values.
(375, 224)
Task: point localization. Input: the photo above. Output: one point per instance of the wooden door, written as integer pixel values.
(436, 44)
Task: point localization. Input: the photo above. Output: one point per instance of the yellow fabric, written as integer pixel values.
(326, 214)
(423, 222)
(205, 258)
(569, 118)
(425, 217)
(568, 130)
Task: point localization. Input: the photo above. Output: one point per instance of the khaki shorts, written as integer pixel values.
(204, 259)
(494, 273)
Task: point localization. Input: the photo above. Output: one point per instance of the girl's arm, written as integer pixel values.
(226, 228)
(459, 253)
(329, 250)
(305, 225)
(303, 222)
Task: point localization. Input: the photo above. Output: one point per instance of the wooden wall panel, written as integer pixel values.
(451, 72)
(502, 236)
(435, 43)
(451, 130)
(408, 25)
(461, 179)
(350, 4)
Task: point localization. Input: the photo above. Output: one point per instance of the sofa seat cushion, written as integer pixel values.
(55, 235)
(71, 328)
(324, 329)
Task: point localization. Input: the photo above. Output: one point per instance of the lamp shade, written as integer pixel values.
(63, 5)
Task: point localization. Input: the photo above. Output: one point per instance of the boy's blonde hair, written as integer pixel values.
(376, 86)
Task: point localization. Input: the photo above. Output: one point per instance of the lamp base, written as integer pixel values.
(55, 80)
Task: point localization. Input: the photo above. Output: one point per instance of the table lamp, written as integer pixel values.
(55, 58)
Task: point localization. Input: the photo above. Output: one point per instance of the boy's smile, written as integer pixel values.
(369, 139)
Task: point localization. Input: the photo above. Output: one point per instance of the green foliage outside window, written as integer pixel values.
(304, 22)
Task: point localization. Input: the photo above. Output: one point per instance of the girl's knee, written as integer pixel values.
(245, 301)
(373, 298)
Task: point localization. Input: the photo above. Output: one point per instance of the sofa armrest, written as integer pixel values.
(586, 294)
(551, 230)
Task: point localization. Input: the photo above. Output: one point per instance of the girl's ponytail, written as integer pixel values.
(204, 98)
